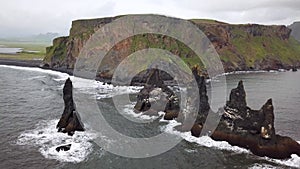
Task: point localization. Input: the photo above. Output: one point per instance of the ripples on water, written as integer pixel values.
(31, 104)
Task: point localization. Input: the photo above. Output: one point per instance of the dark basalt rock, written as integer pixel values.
(253, 129)
(239, 125)
(143, 77)
(143, 103)
(156, 96)
(203, 105)
(294, 69)
(237, 98)
(196, 130)
(70, 119)
(63, 148)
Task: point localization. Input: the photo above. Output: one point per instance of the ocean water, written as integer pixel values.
(31, 104)
(5, 50)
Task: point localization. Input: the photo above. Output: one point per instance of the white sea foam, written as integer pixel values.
(206, 141)
(46, 138)
(129, 110)
(262, 166)
(35, 69)
(36, 77)
(100, 89)
(190, 150)
(294, 161)
(84, 85)
(243, 72)
(215, 78)
(107, 91)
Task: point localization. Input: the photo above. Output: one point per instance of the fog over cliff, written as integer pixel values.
(21, 18)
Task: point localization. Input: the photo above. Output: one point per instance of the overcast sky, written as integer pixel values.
(25, 17)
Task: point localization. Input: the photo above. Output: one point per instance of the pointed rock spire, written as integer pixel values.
(267, 128)
(70, 120)
(237, 98)
(204, 104)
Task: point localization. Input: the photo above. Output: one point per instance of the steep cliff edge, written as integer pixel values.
(241, 47)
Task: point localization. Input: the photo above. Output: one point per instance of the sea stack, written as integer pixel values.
(195, 120)
(156, 96)
(70, 119)
(253, 129)
(239, 125)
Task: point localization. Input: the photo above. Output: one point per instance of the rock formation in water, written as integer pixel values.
(253, 129)
(66, 147)
(195, 122)
(156, 96)
(239, 125)
(70, 119)
(294, 69)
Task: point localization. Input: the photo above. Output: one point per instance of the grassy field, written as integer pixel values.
(31, 50)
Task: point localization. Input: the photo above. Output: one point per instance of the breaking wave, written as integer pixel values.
(47, 139)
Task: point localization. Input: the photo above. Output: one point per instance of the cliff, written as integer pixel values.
(241, 47)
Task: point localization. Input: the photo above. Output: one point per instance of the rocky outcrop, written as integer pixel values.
(241, 47)
(237, 98)
(201, 82)
(70, 119)
(191, 122)
(253, 129)
(239, 125)
(63, 148)
(156, 97)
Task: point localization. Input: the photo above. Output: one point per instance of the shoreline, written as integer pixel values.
(39, 64)
(32, 63)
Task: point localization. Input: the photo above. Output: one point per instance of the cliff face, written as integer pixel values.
(65, 50)
(241, 47)
(252, 46)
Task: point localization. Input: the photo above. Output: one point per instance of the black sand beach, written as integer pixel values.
(32, 63)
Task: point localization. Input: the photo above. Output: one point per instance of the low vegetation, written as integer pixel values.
(30, 50)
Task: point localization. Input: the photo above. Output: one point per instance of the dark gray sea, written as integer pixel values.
(31, 104)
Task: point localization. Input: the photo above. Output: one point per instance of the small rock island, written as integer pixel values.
(253, 129)
(70, 119)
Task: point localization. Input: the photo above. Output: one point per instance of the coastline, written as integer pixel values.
(32, 63)
(39, 64)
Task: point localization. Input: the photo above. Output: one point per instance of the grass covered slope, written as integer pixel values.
(264, 47)
(241, 47)
(252, 46)
(30, 50)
